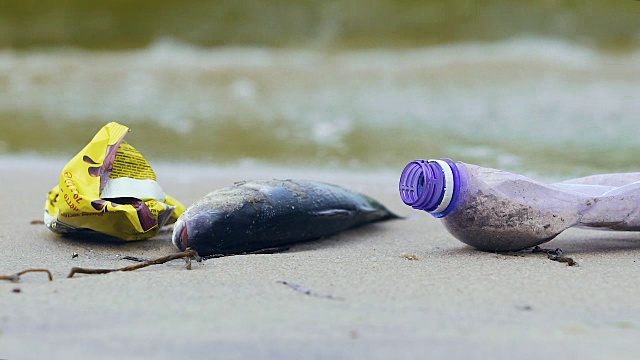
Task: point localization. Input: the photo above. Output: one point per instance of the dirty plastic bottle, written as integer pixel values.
(495, 210)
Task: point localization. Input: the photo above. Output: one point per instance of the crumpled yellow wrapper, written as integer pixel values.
(109, 188)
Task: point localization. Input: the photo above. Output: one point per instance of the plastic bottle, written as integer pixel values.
(495, 210)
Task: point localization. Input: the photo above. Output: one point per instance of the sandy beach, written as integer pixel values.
(402, 289)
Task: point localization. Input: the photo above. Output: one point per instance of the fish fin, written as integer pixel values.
(368, 209)
(376, 206)
(333, 213)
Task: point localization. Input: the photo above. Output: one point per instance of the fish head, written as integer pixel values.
(180, 237)
(191, 231)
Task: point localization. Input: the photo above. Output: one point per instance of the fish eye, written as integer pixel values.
(184, 237)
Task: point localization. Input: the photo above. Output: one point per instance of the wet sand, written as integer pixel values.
(400, 289)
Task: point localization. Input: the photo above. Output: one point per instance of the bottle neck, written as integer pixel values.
(431, 185)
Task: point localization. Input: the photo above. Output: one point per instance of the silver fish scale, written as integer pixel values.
(262, 193)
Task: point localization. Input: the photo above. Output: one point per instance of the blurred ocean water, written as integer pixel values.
(528, 102)
(117, 24)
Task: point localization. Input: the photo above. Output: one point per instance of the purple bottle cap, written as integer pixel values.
(431, 185)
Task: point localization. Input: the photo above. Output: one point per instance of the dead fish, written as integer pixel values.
(255, 215)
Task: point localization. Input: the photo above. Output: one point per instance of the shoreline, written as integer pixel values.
(401, 288)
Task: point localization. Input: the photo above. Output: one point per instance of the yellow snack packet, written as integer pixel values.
(109, 188)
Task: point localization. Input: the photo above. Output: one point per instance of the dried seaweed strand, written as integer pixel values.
(555, 255)
(187, 255)
(135, 258)
(308, 291)
(16, 277)
(271, 250)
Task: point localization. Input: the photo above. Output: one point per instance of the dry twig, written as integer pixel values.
(16, 277)
(555, 255)
(187, 255)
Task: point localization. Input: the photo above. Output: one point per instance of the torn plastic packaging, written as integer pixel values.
(109, 188)
(495, 210)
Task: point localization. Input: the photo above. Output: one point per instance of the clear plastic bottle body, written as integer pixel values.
(501, 211)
